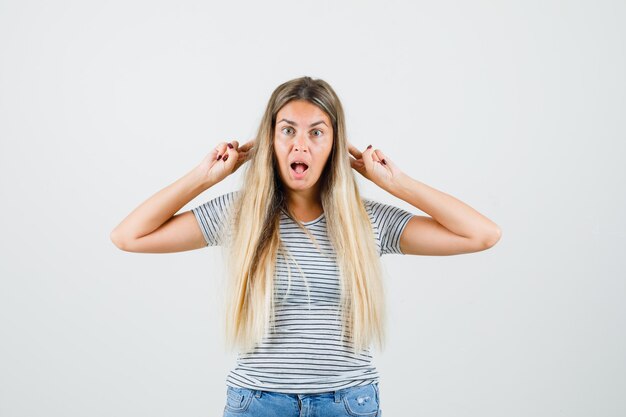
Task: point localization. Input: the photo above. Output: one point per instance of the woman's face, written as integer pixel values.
(303, 134)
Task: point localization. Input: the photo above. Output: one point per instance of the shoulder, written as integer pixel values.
(217, 206)
(386, 216)
(370, 205)
(214, 215)
(377, 210)
(223, 200)
(388, 223)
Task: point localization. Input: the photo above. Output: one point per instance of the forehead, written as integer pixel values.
(302, 110)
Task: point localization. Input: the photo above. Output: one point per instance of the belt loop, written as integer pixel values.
(257, 393)
(337, 396)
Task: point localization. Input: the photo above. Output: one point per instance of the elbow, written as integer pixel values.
(492, 238)
(117, 240)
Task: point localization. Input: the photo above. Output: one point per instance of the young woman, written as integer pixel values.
(304, 298)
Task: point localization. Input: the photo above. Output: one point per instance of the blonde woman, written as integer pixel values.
(304, 297)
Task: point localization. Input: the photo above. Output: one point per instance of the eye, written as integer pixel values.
(317, 130)
(283, 129)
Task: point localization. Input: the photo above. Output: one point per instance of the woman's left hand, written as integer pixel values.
(374, 165)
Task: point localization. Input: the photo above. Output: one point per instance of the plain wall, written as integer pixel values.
(514, 107)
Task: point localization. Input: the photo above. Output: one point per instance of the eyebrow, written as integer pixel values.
(295, 124)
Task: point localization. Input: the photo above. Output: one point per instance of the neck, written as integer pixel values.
(305, 204)
(303, 199)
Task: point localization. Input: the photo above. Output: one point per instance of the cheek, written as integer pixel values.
(326, 150)
(279, 154)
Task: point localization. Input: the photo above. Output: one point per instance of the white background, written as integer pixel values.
(514, 107)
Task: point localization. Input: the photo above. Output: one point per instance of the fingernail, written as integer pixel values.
(225, 158)
(384, 163)
(369, 147)
(219, 157)
(230, 146)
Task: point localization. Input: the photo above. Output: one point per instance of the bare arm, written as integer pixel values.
(453, 228)
(153, 227)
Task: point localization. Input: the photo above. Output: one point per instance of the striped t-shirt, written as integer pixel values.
(305, 353)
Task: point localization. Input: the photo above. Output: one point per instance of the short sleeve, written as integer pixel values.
(388, 223)
(213, 216)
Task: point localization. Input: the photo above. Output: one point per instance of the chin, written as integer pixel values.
(298, 185)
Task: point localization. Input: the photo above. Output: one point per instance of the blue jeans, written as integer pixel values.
(360, 401)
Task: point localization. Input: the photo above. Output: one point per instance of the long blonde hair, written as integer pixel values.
(254, 240)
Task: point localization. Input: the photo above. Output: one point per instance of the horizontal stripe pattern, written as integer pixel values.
(304, 353)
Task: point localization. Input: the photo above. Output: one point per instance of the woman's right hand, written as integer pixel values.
(223, 160)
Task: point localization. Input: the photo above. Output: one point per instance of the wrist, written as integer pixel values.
(199, 179)
(399, 184)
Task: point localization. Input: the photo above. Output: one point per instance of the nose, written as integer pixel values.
(300, 144)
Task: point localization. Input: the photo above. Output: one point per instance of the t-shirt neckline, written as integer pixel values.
(313, 221)
(309, 222)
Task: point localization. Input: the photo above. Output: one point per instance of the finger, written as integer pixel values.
(354, 151)
(243, 157)
(370, 153)
(247, 146)
(230, 153)
(368, 160)
(383, 159)
(374, 155)
(357, 165)
(379, 155)
(230, 150)
(220, 150)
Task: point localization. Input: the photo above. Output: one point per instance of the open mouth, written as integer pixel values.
(299, 167)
